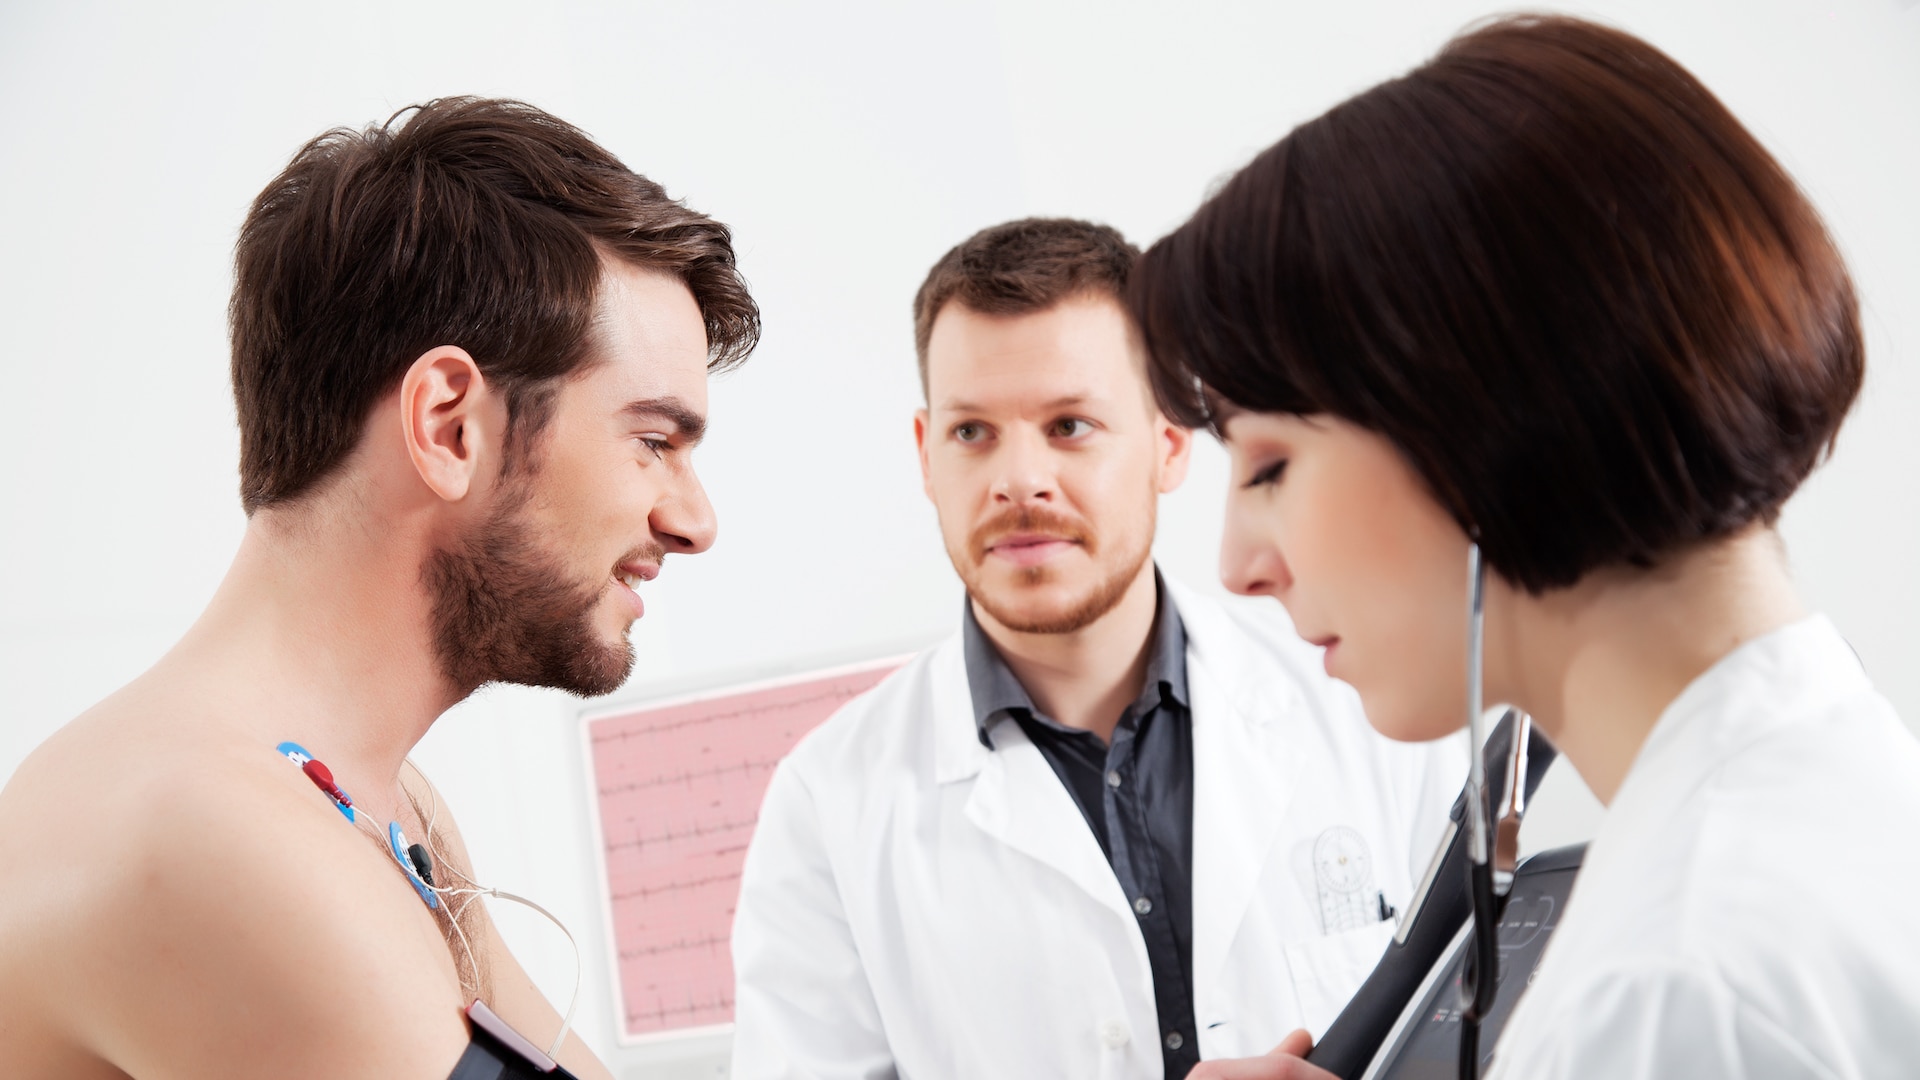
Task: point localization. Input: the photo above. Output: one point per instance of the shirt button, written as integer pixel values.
(1114, 1034)
(1113, 778)
(1175, 1041)
(1142, 906)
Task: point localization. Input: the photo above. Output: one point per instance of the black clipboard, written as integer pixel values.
(1440, 907)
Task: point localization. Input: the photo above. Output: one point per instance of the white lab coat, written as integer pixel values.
(917, 905)
(1747, 908)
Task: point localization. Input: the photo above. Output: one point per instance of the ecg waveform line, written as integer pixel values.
(675, 886)
(679, 789)
(688, 777)
(698, 832)
(718, 1010)
(708, 942)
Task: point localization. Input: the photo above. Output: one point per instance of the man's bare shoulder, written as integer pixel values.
(179, 902)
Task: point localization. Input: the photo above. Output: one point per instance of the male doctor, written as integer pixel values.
(1110, 827)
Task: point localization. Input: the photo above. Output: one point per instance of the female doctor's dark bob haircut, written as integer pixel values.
(1551, 268)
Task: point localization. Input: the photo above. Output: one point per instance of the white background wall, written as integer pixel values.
(849, 144)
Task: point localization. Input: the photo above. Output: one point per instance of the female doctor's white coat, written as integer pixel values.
(915, 904)
(1748, 907)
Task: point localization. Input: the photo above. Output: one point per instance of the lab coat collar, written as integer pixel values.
(1244, 713)
(1791, 675)
(1019, 800)
(958, 751)
(1243, 777)
(996, 693)
(1015, 797)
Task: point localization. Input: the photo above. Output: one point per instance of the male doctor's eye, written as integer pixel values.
(658, 444)
(1070, 428)
(969, 432)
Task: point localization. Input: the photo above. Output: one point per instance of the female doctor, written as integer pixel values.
(1545, 295)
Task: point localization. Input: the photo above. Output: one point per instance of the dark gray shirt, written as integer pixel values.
(1137, 797)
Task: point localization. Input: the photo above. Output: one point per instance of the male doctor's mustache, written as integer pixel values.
(1029, 526)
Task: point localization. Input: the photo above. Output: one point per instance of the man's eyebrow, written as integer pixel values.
(692, 426)
(963, 406)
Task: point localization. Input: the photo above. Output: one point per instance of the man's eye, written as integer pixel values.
(657, 445)
(969, 432)
(1070, 428)
(1268, 474)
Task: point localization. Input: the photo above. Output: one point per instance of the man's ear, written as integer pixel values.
(446, 419)
(1175, 447)
(920, 441)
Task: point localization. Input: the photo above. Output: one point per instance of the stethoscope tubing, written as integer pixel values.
(1479, 976)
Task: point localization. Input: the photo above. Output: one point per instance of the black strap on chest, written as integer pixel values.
(486, 1059)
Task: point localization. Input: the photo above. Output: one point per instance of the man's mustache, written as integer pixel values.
(1027, 519)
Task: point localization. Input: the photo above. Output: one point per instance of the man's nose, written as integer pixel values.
(684, 520)
(1026, 472)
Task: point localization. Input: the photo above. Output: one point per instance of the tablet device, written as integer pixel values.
(1424, 1044)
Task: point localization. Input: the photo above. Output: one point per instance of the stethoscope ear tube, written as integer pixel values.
(1480, 975)
(1438, 908)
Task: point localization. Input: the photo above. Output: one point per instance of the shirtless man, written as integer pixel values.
(470, 352)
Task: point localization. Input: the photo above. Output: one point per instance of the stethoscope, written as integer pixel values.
(1491, 855)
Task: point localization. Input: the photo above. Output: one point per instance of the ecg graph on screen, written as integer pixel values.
(677, 790)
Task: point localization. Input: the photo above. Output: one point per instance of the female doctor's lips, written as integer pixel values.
(1329, 644)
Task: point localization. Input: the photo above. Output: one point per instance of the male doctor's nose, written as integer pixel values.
(1024, 473)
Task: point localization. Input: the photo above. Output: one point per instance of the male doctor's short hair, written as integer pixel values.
(464, 221)
(1552, 268)
(1022, 267)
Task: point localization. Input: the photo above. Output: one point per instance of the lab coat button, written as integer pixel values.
(1114, 1034)
(1142, 906)
(1175, 1040)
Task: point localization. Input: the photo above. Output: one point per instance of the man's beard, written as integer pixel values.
(505, 610)
(1081, 611)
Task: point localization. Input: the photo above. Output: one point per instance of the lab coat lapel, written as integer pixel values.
(1019, 801)
(1243, 781)
(1016, 798)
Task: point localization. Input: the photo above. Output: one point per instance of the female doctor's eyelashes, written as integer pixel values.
(1268, 474)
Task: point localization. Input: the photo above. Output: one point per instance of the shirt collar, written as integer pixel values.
(997, 693)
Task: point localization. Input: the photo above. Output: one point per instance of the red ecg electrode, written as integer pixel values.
(322, 778)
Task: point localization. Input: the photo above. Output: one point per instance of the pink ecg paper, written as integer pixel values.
(678, 787)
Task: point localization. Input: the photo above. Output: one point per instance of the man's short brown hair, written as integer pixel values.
(465, 221)
(1022, 267)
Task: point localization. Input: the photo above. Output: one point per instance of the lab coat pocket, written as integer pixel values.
(1328, 969)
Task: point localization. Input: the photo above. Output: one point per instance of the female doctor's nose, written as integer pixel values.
(1251, 563)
